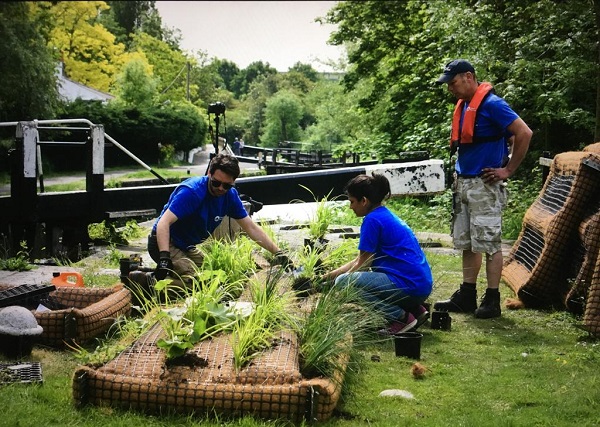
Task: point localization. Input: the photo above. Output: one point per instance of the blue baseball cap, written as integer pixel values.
(452, 68)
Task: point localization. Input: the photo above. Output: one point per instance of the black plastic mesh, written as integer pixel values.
(23, 372)
(24, 295)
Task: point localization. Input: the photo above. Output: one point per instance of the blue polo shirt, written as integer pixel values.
(198, 212)
(493, 117)
(397, 251)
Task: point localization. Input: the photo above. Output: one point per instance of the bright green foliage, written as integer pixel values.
(242, 82)
(135, 85)
(88, 49)
(134, 16)
(323, 217)
(540, 55)
(233, 258)
(169, 66)
(271, 313)
(336, 327)
(202, 315)
(282, 119)
(310, 259)
(227, 70)
(306, 70)
(20, 262)
(338, 126)
(110, 232)
(255, 103)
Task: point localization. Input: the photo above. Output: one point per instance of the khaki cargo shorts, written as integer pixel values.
(477, 215)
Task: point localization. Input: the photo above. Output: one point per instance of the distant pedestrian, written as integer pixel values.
(236, 147)
(242, 145)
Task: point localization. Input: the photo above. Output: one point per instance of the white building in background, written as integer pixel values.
(70, 90)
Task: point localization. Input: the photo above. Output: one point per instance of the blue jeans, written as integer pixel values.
(379, 290)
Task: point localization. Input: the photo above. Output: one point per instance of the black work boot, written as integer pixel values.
(464, 300)
(490, 305)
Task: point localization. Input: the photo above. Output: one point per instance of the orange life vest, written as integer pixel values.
(466, 133)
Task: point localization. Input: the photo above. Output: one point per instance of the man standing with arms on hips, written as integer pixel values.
(482, 126)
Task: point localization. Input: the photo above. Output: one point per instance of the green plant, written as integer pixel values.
(323, 217)
(340, 254)
(521, 195)
(202, 315)
(110, 233)
(113, 257)
(20, 262)
(234, 258)
(340, 322)
(122, 333)
(271, 313)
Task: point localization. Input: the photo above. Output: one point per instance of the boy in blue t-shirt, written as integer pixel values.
(390, 268)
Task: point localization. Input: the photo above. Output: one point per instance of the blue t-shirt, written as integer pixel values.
(198, 212)
(396, 251)
(493, 117)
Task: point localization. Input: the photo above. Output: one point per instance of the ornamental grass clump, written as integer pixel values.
(331, 334)
(323, 217)
(314, 262)
(307, 275)
(271, 313)
(234, 258)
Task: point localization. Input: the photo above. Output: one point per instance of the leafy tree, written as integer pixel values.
(210, 84)
(243, 80)
(142, 128)
(297, 82)
(255, 103)
(136, 16)
(306, 70)
(542, 57)
(169, 67)
(28, 89)
(87, 48)
(228, 71)
(135, 84)
(283, 114)
(338, 125)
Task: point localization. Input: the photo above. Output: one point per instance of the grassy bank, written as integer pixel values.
(527, 368)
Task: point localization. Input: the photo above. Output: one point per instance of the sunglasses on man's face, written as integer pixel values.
(216, 183)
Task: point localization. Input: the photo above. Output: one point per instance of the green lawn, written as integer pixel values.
(527, 368)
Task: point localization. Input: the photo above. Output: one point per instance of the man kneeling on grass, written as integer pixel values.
(193, 212)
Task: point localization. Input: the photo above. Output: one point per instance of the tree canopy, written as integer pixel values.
(542, 56)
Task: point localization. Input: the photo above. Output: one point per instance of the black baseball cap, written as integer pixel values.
(452, 68)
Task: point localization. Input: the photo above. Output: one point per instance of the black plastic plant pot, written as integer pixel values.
(408, 344)
(317, 244)
(17, 347)
(441, 320)
(302, 287)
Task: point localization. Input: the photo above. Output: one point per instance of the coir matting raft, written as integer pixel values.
(271, 387)
(77, 314)
(542, 259)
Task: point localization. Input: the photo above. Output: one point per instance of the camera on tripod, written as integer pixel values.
(216, 108)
